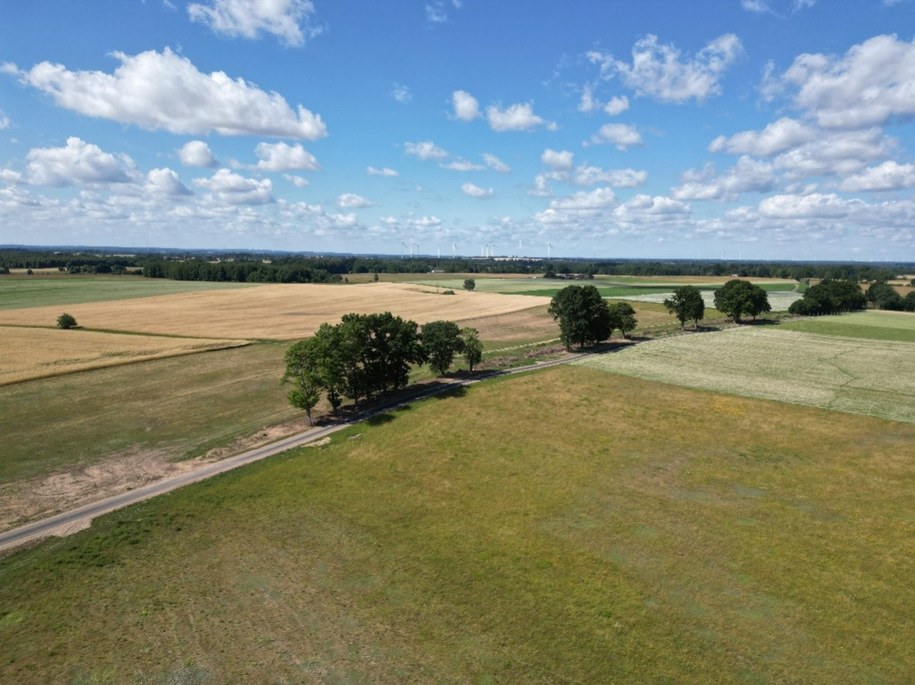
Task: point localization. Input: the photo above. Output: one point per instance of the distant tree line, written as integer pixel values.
(366, 355)
(291, 267)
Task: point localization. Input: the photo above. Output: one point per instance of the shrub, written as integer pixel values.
(66, 321)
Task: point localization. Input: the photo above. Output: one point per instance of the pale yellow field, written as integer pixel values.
(40, 352)
(278, 312)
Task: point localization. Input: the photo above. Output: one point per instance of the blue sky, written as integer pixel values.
(754, 129)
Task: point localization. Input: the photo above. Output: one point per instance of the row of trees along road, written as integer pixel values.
(366, 355)
(586, 319)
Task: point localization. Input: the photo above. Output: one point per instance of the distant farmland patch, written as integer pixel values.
(857, 376)
(872, 325)
(276, 312)
(40, 352)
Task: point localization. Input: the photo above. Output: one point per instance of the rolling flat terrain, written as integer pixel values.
(613, 530)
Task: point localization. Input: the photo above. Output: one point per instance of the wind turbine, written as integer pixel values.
(549, 247)
(453, 248)
(403, 246)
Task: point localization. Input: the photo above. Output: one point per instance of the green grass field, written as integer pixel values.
(40, 291)
(870, 325)
(858, 376)
(614, 530)
(178, 406)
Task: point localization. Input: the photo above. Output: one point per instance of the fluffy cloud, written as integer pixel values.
(874, 82)
(198, 154)
(814, 205)
(166, 91)
(226, 187)
(616, 105)
(776, 137)
(557, 160)
(10, 176)
(165, 182)
(748, 175)
(466, 107)
(586, 200)
(385, 171)
(475, 191)
(353, 201)
(621, 178)
(297, 181)
(495, 163)
(518, 117)
(887, 176)
(643, 209)
(839, 153)
(78, 163)
(4, 120)
(288, 20)
(437, 10)
(283, 157)
(660, 71)
(425, 150)
(462, 165)
(622, 136)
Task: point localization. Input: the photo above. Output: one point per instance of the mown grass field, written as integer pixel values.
(870, 325)
(58, 290)
(275, 312)
(30, 353)
(858, 376)
(613, 530)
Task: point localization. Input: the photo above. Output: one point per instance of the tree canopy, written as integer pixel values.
(441, 341)
(473, 348)
(687, 305)
(622, 316)
(584, 318)
(738, 297)
(829, 297)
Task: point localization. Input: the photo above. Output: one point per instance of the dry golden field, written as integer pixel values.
(40, 352)
(274, 312)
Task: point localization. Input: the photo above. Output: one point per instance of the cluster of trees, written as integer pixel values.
(829, 297)
(240, 272)
(366, 355)
(584, 317)
(737, 297)
(883, 296)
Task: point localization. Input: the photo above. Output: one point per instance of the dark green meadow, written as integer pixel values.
(564, 526)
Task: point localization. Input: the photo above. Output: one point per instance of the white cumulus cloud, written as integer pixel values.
(495, 163)
(621, 178)
(466, 106)
(475, 191)
(622, 136)
(661, 71)
(776, 137)
(353, 201)
(227, 187)
(166, 91)
(616, 105)
(78, 162)
(297, 181)
(284, 157)
(198, 154)
(559, 160)
(887, 176)
(517, 117)
(384, 171)
(165, 182)
(425, 150)
(288, 20)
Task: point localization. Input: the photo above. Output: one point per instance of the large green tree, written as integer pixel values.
(622, 316)
(441, 342)
(738, 297)
(687, 305)
(583, 316)
(303, 370)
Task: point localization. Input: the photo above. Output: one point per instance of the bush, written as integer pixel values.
(66, 321)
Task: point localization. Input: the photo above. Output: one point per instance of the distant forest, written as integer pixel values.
(248, 267)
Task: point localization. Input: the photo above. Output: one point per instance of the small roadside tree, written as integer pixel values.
(583, 316)
(687, 305)
(469, 284)
(303, 370)
(441, 341)
(473, 348)
(66, 321)
(622, 316)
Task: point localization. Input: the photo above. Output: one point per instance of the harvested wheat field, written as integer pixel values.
(272, 312)
(41, 352)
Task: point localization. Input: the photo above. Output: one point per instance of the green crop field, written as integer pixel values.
(858, 376)
(41, 291)
(871, 325)
(613, 530)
